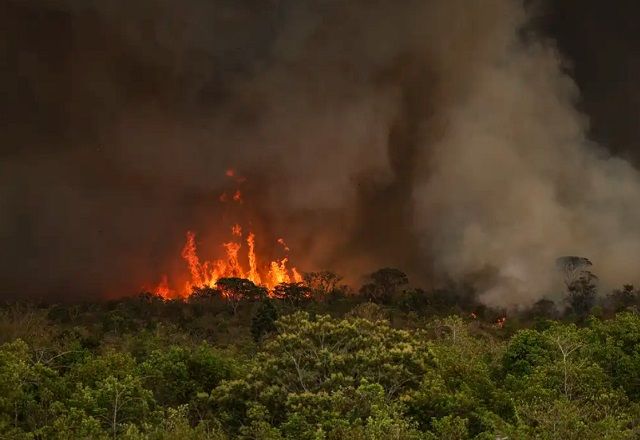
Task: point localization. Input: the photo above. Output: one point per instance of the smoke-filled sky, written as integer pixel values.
(450, 138)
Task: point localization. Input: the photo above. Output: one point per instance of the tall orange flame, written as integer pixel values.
(206, 273)
(191, 257)
(253, 265)
(162, 289)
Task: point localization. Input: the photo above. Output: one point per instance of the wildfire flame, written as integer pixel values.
(207, 273)
(163, 289)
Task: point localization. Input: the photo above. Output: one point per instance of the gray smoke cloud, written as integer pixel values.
(515, 183)
(438, 136)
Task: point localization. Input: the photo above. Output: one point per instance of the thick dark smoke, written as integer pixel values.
(438, 136)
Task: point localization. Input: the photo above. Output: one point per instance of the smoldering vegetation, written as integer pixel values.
(440, 136)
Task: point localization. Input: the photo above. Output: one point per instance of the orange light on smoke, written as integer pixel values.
(283, 244)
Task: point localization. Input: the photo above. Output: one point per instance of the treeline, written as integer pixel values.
(316, 360)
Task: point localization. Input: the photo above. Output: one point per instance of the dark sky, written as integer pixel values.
(602, 43)
(71, 210)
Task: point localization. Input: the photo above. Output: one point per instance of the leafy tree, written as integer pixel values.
(115, 402)
(27, 390)
(562, 392)
(416, 300)
(310, 358)
(622, 299)
(145, 368)
(450, 428)
(361, 413)
(573, 268)
(526, 350)
(263, 321)
(384, 284)
(581, 295)
(615, 346)
(295, 294)
(322, 283)
(239, 290)
(580, 284)
(460, 385)
(15, 373)
(176, 375)
(369, 311)
(543, 309)
(73, 423)
(203, 295)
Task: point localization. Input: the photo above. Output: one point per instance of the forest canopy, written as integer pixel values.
(314, 360)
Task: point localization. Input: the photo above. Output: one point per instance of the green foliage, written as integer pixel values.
(450, 428)
(560, 390)
(116, 402)
(615, 346)
(460, 385)
(320, 360)
(176, 375)
(27, 390)
(581, 295)
(263, 321)
(175, 425)
(527, 349)
(345, 368)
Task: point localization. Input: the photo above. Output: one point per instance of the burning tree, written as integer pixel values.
(295, 294)
(239, 258)
(238, 290)
(322, 283)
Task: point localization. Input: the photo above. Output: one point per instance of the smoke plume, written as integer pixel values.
(440, 136)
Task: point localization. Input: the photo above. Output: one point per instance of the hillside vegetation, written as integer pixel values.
(315, 361)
